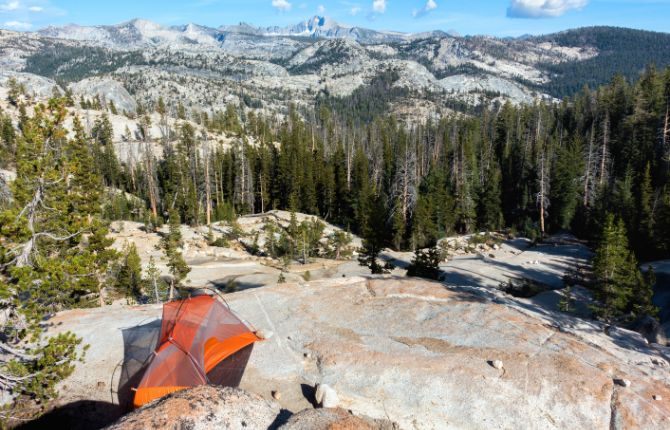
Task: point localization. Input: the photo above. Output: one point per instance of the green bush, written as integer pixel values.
(426, 264)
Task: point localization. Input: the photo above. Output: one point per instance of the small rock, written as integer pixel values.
(622, 382)
(326, 396)
(659, 362)
(264, 334)
(497, 364)
(101, 384)
(496, 246)
(492, 256)
(276, 395)
(658, 397)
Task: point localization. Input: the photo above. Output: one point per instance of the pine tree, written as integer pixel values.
(53, 249)
(620, 287)
(7, 141)
(645, 223)
(565, 184)
(374, 236)
(426, 264)
(107, 163)
(171, 244)
(153, 278)
(129, 277)
(14, 91)
(489, 209)
(424, 229)
(338, 243)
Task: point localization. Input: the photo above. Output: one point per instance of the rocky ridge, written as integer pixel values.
(209, 68)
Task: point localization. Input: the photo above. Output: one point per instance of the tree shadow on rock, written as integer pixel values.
(80, 415)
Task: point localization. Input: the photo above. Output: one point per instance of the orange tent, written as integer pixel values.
(201, 342)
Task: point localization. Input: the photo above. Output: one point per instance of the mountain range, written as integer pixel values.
(270, 67)
(140, 32)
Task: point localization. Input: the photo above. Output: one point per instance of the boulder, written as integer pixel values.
(622, 382)
(203, 408)
(651, 329)
(335, 419)
(264, 334)
(496, 364)
(326, 396)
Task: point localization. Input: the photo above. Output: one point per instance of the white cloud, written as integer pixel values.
(10, 6)
(321, 9)
(282, 5)
(18, 25)
(430, 6)
(36, 8)
(379, 6)
(543, 8)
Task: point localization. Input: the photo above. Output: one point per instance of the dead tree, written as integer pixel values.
(244, 179)
(405, 191)
(145, 126)
(543, 194)
(604, 150)
(208, 181)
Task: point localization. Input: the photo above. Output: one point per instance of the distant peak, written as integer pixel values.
(325, 23)
(141, 23)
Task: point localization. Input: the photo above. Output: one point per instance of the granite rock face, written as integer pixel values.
(203, 408)
(418, 353)
(334, 419)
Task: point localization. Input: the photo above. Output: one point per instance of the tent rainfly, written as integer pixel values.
(201, 341)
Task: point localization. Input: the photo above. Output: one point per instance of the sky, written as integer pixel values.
(503, 18)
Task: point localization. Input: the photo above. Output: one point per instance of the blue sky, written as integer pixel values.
(494, 17)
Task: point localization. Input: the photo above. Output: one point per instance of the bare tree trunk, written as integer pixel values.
(155, 285)
(313, 140)
(542, 195)
(243, 174)
(150, 183)
(405, 185)
(666, 126)
(133, 180)
(208, 188)
(604, 151)
(262, 194)
(216, 188)
(349, 165)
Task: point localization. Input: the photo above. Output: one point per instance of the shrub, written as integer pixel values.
(426, 264)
